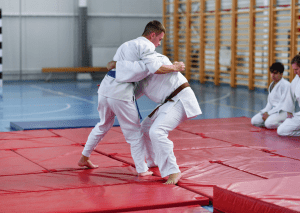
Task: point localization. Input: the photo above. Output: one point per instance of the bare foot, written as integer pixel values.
(145, 173)
(84, 161)
(173, 178)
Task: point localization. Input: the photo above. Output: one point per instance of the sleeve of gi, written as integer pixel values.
(284, 90)
(289, 100)
(140, 58)
(135, 71)
(267, 108)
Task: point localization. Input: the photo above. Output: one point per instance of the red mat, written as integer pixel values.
(268, 196)
(203, 177)
(26, 134)
(271, 166)
(291, 153)
(197, 143)
(35, 142)
(116, 198)
(64, 157)
(185, 209)
(194, 157)
(80, 135)
(72, 180)
(216, 121)
(113, 149)
(218, 126)
(14, 164)
(39, 168)
(268, 140)
(117, 151)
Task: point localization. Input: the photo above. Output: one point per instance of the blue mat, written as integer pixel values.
(59, 124)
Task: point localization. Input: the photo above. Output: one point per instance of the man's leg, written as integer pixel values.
(163, 147)
(257, 120)
(98, 132)
(290, 127)
(129, 120)
(274, 120)
(150, 155)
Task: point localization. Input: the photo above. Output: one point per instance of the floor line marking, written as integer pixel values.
(216, 99)
(234, 107)
(62, 94)
(39, 113)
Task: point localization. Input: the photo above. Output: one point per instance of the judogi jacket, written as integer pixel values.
(137, 49)
(276, 97)
(158, 87)
(293, 95)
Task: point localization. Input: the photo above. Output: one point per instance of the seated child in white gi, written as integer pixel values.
(273, 114)
(291, 126)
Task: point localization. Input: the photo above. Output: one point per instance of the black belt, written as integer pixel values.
(169, 98)
(112, 73)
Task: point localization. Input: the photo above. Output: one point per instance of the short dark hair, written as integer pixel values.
(154, 26)
(296, 59)
(277, 66)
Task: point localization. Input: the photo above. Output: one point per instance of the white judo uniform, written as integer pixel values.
(117, 99)
(157, 87)
(291, 126)
(274, 107)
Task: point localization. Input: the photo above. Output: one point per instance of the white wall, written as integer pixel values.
(48, 34)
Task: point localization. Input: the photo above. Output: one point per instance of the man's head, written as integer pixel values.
(154, 32)
(276, 70)
(296, 64)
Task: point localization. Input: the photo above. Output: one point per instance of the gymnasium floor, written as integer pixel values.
(227, 164)
(75, 100)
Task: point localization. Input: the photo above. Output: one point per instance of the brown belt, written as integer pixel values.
(169, 98)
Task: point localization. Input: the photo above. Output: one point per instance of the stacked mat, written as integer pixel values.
(238, 167)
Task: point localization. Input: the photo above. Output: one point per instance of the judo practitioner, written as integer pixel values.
(117, 99)
(177, 103)
(291, 126)
(273, 114)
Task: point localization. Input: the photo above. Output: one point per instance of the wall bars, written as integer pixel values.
(230, 41)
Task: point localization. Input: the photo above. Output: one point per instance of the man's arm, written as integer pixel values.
(139, 70)
(175, 67)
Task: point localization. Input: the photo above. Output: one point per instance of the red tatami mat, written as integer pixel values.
(268, 167)
(14, 164)
(218, 125)
(194, 157)
(72, 180)
(39, 171)
(78, 135)
(216, 122)
(63, 157)
(184, 209)
(118, 151)
(268, 196)
(81, 135)
(26, 134)
(266, 140)
(203, 177)
(117, 198)
(198, 143)
(34, 143)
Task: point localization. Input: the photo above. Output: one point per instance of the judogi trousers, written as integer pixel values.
(156, 131)
(290, 127)
(129, 121)
(272, 122)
